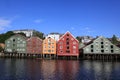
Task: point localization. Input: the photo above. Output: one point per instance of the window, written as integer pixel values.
(8, 45)
(13, 45)
(23, 41)
(49, 43)
(102, 51)
(13, 40)
(91, 46)
(60, 42)
(74, 47)
(52, 46)
(101, 42)
(67, 51)
(18, 38)
(91, 50)
(49, 50)
(112, 51)
(61, 47)
(67, 43)
(67, 47)
(106, 50)
(102, 46)
(61, 51)
(111, 46)
(67, 39)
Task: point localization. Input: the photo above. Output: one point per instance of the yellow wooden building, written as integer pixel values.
(49, 48)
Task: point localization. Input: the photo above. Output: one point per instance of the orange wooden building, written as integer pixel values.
(49, 48)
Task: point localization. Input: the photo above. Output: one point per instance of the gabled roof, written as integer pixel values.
(34, 37)
(20, 36)
(49, 38)
(70, 34)
(99, 38)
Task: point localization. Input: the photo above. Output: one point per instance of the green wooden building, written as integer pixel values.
(101, 45)
(16, 43)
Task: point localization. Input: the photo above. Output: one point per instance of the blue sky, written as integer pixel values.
(80, 17)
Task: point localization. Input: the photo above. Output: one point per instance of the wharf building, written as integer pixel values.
(67, 46)
(101, 48)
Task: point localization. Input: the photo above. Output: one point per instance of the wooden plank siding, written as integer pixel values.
(49, 46)
(34, 45)
(68, 45)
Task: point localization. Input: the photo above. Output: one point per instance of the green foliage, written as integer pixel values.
(114, 40)
(5, 36)
(79, 39)
(39, 34)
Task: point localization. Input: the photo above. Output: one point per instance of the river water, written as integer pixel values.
(36, 69)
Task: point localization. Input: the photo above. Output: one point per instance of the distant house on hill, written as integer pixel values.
(27, 32)
(54, 36)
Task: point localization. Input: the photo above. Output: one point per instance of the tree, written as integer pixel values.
(114, 40)
(79, 39)
(39, 34)
(5, 36)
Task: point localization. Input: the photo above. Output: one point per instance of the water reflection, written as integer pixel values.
(32, 69)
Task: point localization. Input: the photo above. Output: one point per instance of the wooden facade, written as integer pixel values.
(16, 44)
(68, 45)
(34, 45)
(101, 45)
(49, 48)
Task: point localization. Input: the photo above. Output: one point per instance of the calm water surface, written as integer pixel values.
(33, 69)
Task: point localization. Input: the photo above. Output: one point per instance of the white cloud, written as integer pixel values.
(4, 23)
(38, 21)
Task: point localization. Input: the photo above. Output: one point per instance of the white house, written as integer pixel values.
(27, 32)
(54, 36)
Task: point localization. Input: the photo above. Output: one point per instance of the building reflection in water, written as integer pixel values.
(32, 69)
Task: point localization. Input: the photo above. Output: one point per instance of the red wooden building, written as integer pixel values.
(68, 46)
(34, 45)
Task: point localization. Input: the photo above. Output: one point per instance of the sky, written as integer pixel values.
(80, 17)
